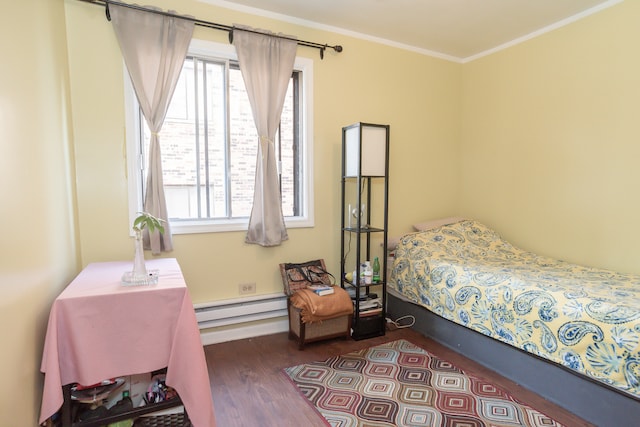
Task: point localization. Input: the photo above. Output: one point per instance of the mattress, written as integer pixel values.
(583, 318)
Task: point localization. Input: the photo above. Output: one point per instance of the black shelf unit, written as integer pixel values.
(365, 190)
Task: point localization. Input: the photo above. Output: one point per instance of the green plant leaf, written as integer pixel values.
(145, 219)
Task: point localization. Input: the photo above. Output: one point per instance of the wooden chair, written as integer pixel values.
(339, 326)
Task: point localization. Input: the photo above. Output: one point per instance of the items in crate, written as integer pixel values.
(92, 412)
(95, 392)
(94, 398)
(123, 405)
(158, 390)
(118, 395)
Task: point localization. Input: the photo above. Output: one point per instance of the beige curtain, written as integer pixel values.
(154, 47)
(266, 62)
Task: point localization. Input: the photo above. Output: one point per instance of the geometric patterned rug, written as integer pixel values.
(400, 384)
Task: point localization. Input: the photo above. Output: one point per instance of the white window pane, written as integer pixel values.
(244, 146)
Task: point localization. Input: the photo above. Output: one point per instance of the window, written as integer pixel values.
(209, 145)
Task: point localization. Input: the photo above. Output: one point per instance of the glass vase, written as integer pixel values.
(139, 275)
(139, 266)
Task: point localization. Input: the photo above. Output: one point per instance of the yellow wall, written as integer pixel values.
(417, 95)
(550, 141)
(538, 141)
(38, 249)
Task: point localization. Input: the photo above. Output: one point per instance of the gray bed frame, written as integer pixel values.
(592, 401)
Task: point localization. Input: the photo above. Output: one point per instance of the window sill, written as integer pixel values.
(221, 226)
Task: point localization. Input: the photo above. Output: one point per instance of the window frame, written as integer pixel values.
(133, 136)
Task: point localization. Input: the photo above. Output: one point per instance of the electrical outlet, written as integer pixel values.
(247, 288)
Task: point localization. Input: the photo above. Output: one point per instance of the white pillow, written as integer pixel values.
(392, 243)
(435, 223)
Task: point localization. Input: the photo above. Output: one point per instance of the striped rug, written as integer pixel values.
(400, 384)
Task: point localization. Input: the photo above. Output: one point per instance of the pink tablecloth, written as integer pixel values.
(99, 329)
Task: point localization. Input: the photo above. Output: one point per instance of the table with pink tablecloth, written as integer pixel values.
(100, 329)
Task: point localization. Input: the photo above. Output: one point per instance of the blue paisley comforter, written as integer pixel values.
(584, 318)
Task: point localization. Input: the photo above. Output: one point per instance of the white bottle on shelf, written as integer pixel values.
(368, 273)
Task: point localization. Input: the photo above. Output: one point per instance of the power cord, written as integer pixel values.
(401, 322)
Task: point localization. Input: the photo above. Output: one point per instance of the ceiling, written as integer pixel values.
(458, 30)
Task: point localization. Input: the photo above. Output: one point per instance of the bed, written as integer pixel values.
(568, 332)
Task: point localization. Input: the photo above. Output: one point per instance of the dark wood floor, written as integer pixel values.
(249, 388)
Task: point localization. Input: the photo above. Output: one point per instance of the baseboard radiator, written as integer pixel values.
(240, 318)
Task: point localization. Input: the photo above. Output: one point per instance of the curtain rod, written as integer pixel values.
(208, 24)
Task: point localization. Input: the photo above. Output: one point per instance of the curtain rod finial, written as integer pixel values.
(336, 48)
